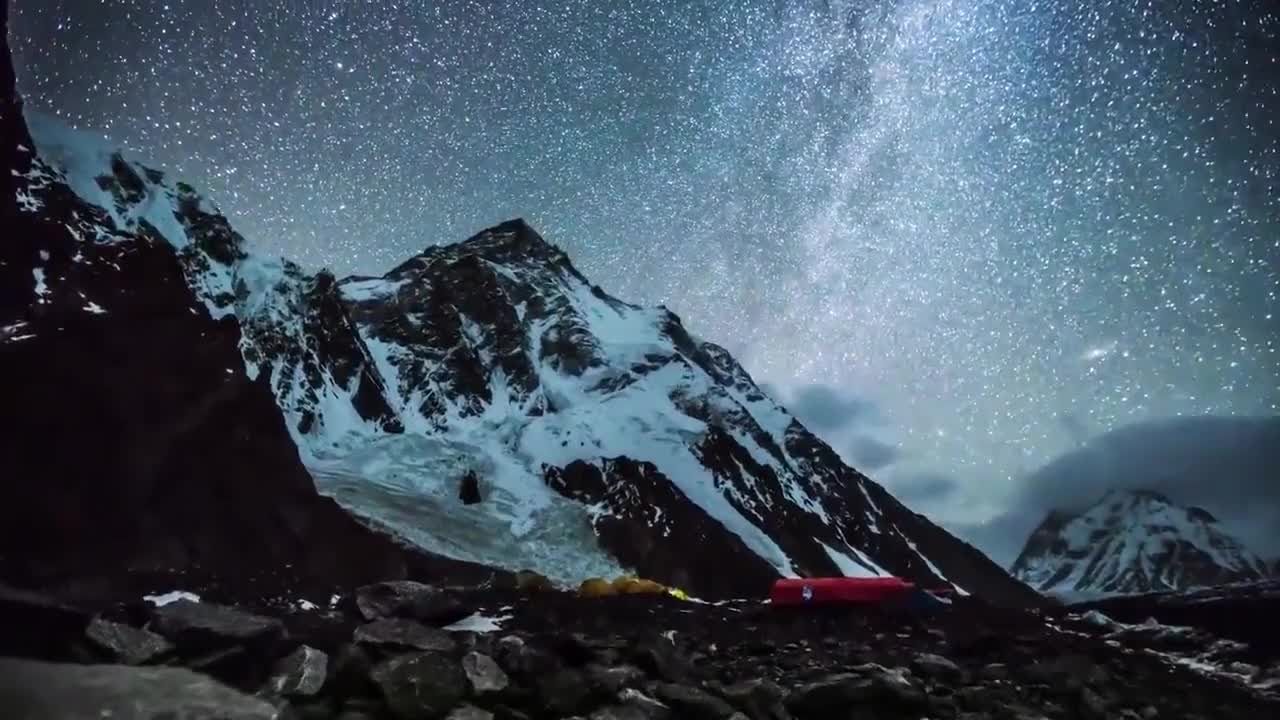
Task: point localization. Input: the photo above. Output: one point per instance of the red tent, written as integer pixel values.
(838, 590)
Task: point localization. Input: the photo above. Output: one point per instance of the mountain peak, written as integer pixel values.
(512, 242)
(1132, 541)
(600, 436)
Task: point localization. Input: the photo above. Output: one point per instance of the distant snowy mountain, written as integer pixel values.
(1132, 542)
(604, 436)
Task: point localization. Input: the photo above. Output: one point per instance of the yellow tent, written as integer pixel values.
(596, 587)
(627, 585)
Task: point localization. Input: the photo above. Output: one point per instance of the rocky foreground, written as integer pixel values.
(404, 651)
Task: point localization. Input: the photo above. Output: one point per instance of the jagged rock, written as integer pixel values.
(469, 712)
(126, 644)
(409, 599)
(692, 703)
(932, 665)
(421, 684)
(198, 625)
(652, 708)
(349, 672)
(515, 656)
(1093, 705)
(34, 690)
(612, 680)
(621, 712)
(564, 691)
(484, 673)
(1069, 672)
(758, 698)
(868, 684)
(301, 673)
(660, 657)
(399, 632)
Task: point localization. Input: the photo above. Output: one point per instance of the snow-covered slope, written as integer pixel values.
(1132, 542)
(606, 437)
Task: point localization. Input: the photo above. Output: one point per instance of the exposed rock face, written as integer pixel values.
(1132, 542)
(138, 442)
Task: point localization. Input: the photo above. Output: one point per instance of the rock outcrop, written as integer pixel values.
(135, 442)
(1132, 542)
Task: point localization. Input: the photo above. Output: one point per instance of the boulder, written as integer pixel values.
(37, 690)
(652, 708)
(301, 673)
(838, 694)
(659, 657)
(563, 692)
(469, 712)
(409, 599)
(936, 666)
(399, 632)
(421, 685)
(349, 672)
(517, 657)
(126, 644)
(483, 673)
(758, 698)
(613, 679)
(621, 712)
(196, 626)
(692, 703)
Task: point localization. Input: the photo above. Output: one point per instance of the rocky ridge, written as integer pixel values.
(1132, 542)
(403, 651)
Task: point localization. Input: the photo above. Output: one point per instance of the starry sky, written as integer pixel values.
(958, 237)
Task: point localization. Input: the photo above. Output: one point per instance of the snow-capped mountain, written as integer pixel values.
(1132, 542)
(605, 437)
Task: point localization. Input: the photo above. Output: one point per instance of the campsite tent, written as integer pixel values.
(837, 590)
(886, 592)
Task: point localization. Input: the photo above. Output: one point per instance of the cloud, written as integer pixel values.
(923, 487)
(870, 454)
(825, 408)
(849, 422)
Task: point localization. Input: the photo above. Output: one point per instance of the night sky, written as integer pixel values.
(956, 236)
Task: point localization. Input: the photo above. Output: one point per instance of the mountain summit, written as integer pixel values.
(1132, 542)
(482, 401)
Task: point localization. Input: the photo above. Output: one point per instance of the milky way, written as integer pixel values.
(1003, 223)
